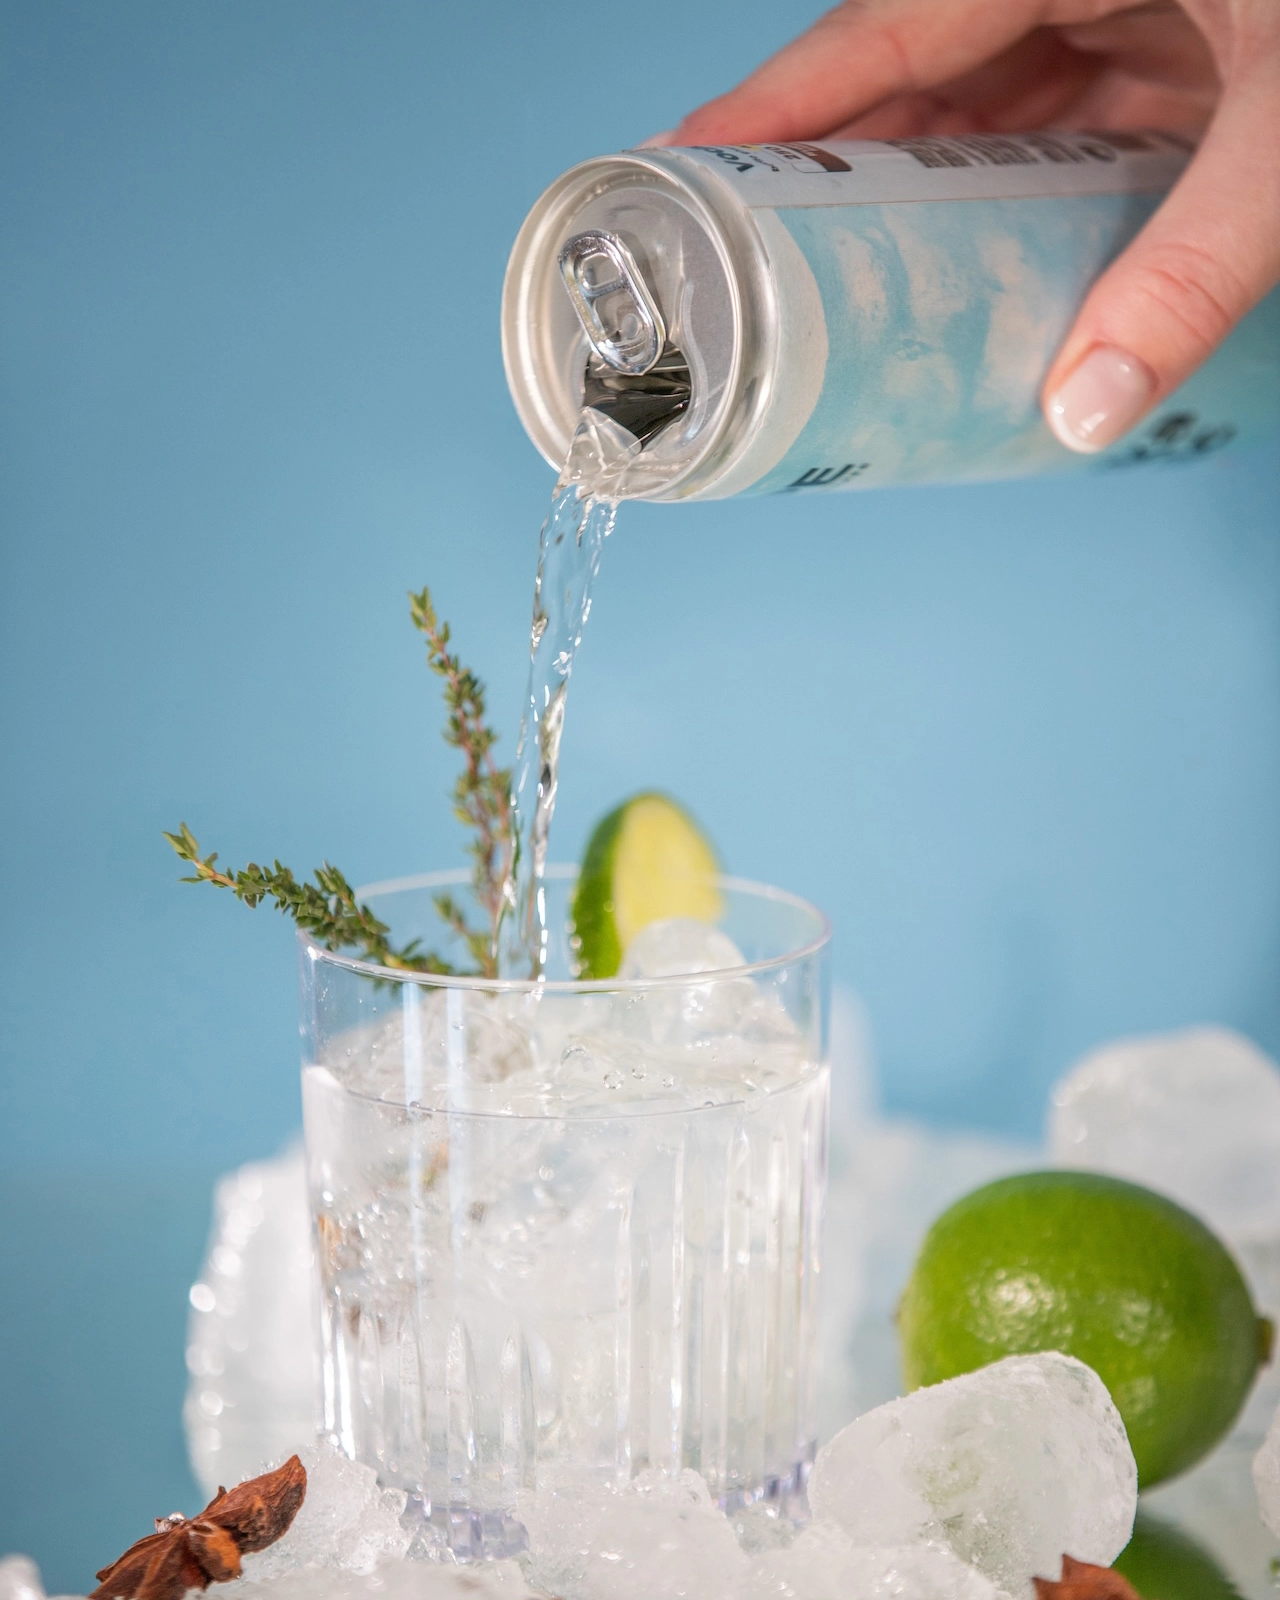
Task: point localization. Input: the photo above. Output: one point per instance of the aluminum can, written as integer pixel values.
(797, 317)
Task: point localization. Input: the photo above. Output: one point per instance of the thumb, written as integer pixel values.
(1209, 254)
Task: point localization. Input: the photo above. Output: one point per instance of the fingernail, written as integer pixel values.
(656, 141)
(1101, 399)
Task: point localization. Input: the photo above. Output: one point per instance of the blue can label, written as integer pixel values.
(948, 272)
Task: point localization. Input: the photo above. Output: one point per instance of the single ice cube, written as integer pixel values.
(20, 1579)
(1009, 1466)
(678, 947)
(713, 1018)
(825, 1564)
(662, 1537)
(684, 1014)
(1266, 1476)
(347, 1520)
(1194, 1114)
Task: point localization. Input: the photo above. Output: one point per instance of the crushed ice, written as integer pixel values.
(1195, 1115)
(960, 1492)
(964, 1491)
(348, 1521)
(955, 1493)
(659, 1538)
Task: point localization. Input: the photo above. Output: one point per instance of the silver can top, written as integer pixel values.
(634, 283)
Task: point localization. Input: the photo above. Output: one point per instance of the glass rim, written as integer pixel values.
(559, 873)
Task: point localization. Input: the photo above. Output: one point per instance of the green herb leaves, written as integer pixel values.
(328, 909)
(482, 794)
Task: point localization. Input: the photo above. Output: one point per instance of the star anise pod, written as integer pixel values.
(1080, 1581)
(187, 1554)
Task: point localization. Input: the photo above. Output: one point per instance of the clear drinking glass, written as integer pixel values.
(570, 1230)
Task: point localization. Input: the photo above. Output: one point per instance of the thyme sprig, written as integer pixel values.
(482, 794)
(328, 909)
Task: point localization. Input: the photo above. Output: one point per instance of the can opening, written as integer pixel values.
(645, 404)
(634, 299)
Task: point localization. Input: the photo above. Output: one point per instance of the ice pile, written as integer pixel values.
(964, 1491)
(658, 1538)
(249, 1398)
(1008, 1466)
(1194, 1114)
(251, 1356)
(390, 1579)
(662, 1538)
(347, 1521)
(724, 1009)
(825, 1564)
(20, 1579)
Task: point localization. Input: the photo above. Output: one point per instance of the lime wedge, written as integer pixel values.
(646, 861)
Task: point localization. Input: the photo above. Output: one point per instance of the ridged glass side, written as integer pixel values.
(567, 1235)
(488, 1329)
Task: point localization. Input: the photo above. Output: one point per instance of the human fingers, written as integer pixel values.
(1034, 83)
(1206, 257)
(1155, 69)
(1152, 44)
(852, 59)
(1041, 81)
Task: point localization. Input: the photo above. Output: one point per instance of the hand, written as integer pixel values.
(881, 69)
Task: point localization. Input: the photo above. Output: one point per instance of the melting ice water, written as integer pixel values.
(583, 508)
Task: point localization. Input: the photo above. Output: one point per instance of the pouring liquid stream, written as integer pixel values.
(584, 505)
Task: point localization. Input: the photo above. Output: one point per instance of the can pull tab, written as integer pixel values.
(615, 306)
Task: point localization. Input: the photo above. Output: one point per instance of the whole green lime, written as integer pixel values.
(1164, 1563)
(1102, 1270)
(645, 861)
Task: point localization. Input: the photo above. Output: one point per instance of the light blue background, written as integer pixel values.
(1021, 741)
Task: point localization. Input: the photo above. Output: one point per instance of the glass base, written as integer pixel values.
(783, 1495)
(457, 1533)
(460, 1534)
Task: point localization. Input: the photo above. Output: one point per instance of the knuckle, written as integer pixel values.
(898, 47)
(878, 23)
(1194, 287)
